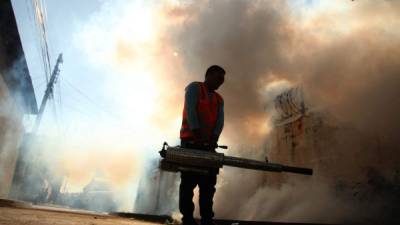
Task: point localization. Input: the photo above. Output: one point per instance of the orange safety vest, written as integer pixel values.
(207, 112)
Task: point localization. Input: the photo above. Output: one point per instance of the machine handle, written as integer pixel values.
(305, 171)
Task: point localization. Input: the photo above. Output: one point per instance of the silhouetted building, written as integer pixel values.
(17, 96)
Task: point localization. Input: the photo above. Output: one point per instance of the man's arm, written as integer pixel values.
(191, 98)
(220, 121)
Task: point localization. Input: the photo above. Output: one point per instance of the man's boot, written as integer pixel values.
(188, 221)
(207, 222)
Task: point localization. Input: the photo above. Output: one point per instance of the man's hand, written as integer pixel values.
(201, 140)
(214, 142)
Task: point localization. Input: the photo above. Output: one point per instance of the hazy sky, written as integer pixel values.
(95, 98)
(65, 20)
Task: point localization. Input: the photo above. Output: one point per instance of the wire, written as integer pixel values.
(41, 84)
(89, 99)
(40, 20)
(121, 123)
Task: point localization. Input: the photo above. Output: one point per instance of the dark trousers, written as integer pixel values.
(206, 185)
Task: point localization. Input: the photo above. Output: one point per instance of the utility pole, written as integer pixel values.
(48, 93)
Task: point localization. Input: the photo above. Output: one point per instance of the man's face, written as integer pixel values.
(215, 80)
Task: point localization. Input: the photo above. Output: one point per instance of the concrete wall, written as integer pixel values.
(11, 131)
(335, 151)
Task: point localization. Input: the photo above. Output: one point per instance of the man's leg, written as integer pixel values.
(186, 206)
(207, 190)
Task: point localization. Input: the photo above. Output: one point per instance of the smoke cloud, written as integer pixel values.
(344, 55)
(246, 39)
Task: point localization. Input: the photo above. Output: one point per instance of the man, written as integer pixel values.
(202, 123)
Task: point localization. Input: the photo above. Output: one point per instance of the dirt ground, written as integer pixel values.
(22, 213)
(33, 216)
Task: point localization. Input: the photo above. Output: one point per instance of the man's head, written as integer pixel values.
(215, 76)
